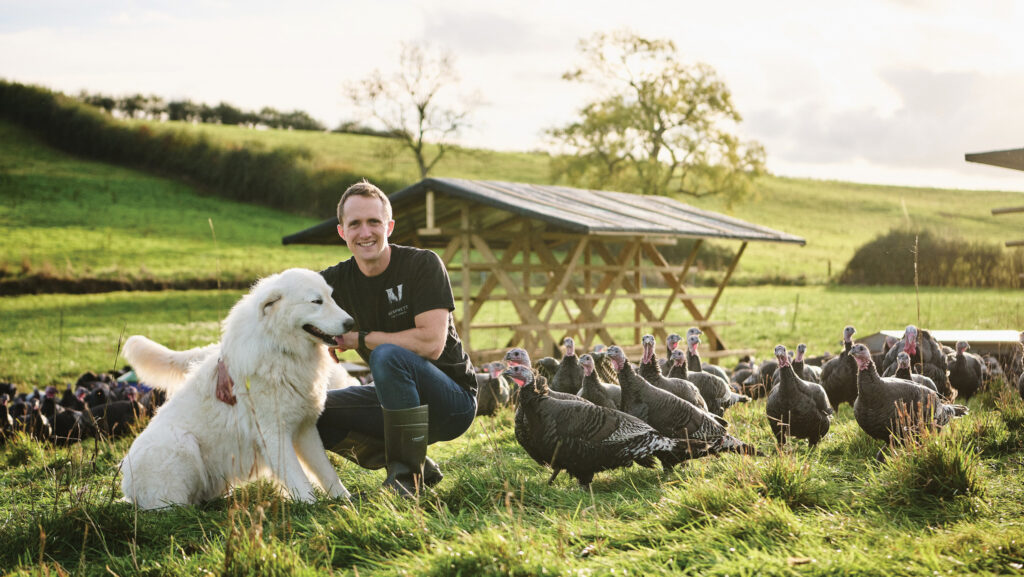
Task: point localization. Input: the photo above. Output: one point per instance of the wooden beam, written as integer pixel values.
(725, 281)
(655, 255)
(1007, 210)
(1015, 243)
(467, 320)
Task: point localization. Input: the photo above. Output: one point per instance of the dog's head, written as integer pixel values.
(295, 304)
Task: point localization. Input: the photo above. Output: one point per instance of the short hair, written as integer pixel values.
(363, 188)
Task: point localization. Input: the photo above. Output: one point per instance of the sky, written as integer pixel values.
(886, 92)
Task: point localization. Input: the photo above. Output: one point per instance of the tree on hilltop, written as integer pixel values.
(414, 103)
(660, 126)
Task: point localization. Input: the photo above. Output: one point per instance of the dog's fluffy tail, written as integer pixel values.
(159, 366)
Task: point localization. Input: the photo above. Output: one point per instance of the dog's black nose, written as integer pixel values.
(348, 324)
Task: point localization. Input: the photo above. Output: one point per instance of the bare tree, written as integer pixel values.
(411, 106)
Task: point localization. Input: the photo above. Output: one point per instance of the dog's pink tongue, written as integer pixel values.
(340, 342)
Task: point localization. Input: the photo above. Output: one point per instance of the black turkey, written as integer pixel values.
(797, 407)
(839, 375)
(6, 421)
(965, 372)
(583, 439)
(926, 357)
(671, 343)
(601, 394)
(650, 370)
(568, 378)
(1015, 367)
(716, 392)
(546, 367)
(492, 389)
(519, 357)
(693, 357)
(667, 413)
(805, 371)
(903, 372)
(896, 409)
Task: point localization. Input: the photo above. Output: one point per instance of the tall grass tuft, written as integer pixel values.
(22, 450)
(791, 479)
(932, 465)
(248, 553)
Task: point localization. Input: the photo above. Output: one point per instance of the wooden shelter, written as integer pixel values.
(562, 258)
(1012, 159)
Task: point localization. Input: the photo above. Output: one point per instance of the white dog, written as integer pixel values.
(274, 345)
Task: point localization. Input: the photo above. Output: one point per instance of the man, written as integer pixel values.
(424, 388)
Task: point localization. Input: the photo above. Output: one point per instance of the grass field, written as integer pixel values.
(952, 506)
(51, 339)
(79, 219)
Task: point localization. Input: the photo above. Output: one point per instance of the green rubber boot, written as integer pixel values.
(368, 453)
(405, 448)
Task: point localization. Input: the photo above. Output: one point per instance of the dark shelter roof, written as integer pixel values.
(1005, 158)
(572, 210)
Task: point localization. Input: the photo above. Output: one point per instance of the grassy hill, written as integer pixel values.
(162, 231)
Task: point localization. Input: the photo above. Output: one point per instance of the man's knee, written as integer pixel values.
(388, 355)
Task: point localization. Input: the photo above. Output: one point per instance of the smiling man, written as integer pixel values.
(424, 389)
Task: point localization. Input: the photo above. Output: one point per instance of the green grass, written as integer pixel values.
(832, 510)
(69, 217)
(79, 219)
(51, 339)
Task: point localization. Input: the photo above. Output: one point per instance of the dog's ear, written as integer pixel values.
(268, 303)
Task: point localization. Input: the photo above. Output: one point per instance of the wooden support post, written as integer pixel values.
(466, 280)
(431, 229)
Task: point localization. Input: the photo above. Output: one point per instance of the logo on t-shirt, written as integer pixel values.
(394, 294)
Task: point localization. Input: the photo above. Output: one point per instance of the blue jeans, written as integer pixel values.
(401, 380)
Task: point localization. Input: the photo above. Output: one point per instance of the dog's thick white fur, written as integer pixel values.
(274, 344)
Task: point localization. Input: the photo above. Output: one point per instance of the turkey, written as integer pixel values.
(492, 389)
(518, 356)
(671, 343)
(1015, 366)
(693, 357)
(839, 375)
(601, 394)
(926, 357)
(716, 392)
(965, 372)
(546, 367)
(903, 372)
(6, 422)
(897, 409)
(667, 413)
(797, 407)
(807, 372)
(650, 370)
(569, 376)
(583, 439)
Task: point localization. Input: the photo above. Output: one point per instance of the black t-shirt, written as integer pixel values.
(414, 282)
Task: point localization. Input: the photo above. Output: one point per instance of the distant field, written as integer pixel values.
(51, 339)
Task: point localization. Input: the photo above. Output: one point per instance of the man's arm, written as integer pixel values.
(426, 339)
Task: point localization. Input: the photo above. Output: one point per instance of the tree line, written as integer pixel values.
(152, 107)
(281, 178)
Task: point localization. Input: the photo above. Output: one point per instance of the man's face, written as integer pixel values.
(366, 228)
